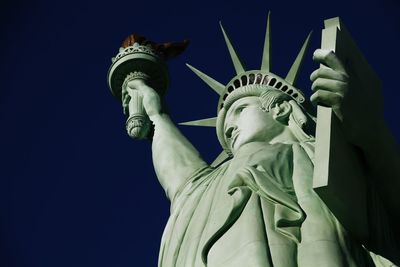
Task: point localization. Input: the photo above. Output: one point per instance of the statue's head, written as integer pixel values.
(259, 113)
(256, 105)
(252, 114)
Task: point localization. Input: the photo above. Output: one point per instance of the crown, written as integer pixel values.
(247, 78)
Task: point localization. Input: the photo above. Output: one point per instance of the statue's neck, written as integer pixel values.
(254, 147)
(286, 136)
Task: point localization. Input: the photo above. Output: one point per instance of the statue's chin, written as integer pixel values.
(238, 142)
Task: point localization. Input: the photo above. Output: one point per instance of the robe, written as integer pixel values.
(257, 210)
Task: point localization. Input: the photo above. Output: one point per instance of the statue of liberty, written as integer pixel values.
(255, 205)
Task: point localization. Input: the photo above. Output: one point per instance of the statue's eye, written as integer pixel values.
(241, 108)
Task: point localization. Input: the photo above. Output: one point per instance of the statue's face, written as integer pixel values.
(246, 122)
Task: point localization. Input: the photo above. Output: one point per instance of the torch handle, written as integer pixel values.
(138, 123)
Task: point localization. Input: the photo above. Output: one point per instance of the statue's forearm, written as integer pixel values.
(174, 157)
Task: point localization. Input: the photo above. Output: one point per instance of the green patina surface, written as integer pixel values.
(279, 195)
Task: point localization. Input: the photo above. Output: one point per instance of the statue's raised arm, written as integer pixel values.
(139, 77)
(174, 157)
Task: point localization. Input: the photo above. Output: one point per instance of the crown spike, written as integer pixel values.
(237, 63)
(291, 77)
(210, 122)
(216, 86)
(266, 58)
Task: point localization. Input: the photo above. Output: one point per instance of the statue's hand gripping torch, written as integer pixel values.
(140, 59)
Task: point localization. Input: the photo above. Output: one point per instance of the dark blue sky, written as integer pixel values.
(75, 190)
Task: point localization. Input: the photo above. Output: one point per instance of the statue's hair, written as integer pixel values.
(268, 96)
(271, 97)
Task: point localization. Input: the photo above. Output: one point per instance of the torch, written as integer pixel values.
(139, 58)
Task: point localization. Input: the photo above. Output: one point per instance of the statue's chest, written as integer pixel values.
(275, 161)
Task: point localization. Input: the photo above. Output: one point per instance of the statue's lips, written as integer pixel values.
(233, 139)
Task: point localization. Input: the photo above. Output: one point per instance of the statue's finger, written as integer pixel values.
(126, 101)
(135, 84)
(326, 98)
(329, 74)
(329, 59)
(334, 86)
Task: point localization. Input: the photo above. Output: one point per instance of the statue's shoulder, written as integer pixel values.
(201, 178)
